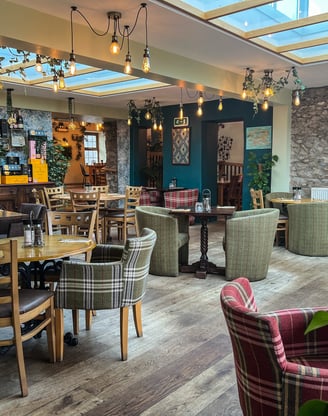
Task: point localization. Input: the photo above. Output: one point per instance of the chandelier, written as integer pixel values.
(151, 111)
(115, 46)
(268, 87)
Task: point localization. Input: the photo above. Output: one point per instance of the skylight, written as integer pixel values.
(296, 29)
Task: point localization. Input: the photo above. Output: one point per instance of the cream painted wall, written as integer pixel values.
(281, 142)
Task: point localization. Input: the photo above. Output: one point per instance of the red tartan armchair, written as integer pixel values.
(278, 368)
(184, 198)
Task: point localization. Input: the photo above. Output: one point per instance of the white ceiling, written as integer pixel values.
(181, 34)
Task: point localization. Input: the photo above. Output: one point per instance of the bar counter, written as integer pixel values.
(13, 195)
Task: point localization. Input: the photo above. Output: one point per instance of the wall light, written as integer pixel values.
(220, 106)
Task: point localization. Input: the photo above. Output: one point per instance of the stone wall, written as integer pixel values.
(309, 141)
(117, 135)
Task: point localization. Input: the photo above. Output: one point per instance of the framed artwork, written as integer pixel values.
(258, 138)
(181, 146)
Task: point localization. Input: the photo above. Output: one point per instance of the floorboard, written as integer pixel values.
(183, 364)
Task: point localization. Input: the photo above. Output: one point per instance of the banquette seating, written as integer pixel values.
(278, 368)
(248, 243)
(172, 244)
(308, 228)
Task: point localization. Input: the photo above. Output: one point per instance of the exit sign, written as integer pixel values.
(181, 122)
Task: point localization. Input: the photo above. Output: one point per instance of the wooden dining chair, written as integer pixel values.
(18, 307)
(49, 193)
(85, 175)
(257, 198)
(125, 218)
(282, 226)
(86, 201)
(69, 223)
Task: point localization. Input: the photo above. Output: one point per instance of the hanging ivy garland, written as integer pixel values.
(79, 139)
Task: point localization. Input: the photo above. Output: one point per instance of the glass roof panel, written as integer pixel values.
(300, 34)
(317, 51)
(241, 17)
(132, 84)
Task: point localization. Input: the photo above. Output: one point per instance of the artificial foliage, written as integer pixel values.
(58, 162)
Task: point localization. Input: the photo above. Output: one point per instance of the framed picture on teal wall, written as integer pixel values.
(258, 138)
(181, 146)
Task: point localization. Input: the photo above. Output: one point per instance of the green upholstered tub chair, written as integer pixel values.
(115, 279)
(308, 228)
(172, 244)
(248, 243)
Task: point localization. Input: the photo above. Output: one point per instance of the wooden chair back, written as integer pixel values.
(51, 203)
(235, 191)
(18, 307)
(125, 218)
(257, 198)
(72, 223)
(86, 201)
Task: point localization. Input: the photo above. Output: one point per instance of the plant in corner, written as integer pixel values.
(260, 170)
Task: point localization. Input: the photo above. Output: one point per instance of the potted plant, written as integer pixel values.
(260, 170)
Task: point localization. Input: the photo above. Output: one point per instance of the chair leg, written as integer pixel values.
(88, 319)
(137, 318)
(59, 319)
(75, 317)
(124, 322)
(51, 332)
(20, 359)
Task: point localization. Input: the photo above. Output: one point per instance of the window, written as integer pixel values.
(91, 150)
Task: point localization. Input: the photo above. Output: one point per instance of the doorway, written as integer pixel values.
(230, 163)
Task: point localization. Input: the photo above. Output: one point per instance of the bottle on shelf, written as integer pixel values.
(19, 121)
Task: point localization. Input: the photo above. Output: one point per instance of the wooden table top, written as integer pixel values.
(55, 247)
(111, 196)
(215, 211)
(11, 215)
(295, 201)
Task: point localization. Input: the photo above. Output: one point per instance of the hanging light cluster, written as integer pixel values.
(115, 47)
(268, 87)
(151, 111)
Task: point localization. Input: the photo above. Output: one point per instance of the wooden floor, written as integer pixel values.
(183, 364)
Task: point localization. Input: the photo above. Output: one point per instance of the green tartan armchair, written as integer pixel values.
(308, 228)
(172, 244)
(115, 278)
(248, 243)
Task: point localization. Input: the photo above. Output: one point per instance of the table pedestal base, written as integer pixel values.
(201, 269)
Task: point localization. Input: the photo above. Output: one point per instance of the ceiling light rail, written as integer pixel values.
(151, 111)
(115, 47)
(269, 87)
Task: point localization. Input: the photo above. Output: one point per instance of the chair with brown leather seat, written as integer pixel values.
(85, 175)
(125, 218)
(20, 307)
(86, 201)
(282, 226)
(235, 191)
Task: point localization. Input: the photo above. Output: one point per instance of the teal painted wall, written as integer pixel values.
(201, 172)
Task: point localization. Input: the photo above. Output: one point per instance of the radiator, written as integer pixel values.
(319, 193)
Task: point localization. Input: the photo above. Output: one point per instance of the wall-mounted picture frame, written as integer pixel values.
(181, 146)
(258, 138)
